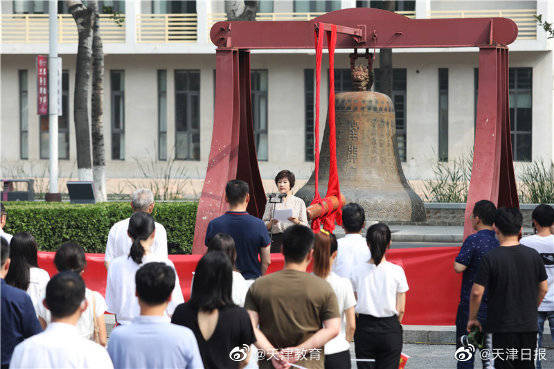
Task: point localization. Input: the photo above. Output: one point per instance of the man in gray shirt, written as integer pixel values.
(151, 341)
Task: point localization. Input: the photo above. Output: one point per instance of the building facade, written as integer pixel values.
(160, 76)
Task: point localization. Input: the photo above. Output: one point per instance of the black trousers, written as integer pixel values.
(339, 360)
(276, 243)
(379, 339)
(514, 350)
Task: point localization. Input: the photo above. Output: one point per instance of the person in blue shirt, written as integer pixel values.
(249, 233)
(467, 262)
(19, 320)
(151, 341)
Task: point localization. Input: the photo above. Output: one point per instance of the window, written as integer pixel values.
(311, 6)
(309, 113)
(187, 114)
(259, 111)
(173, 7)
(162, 115)
(406, 5)
(30, 6)
(63, 126)
(265, 6)
(117, 85)
(443, 114)
(521, 108)
(109, 6)
(23, 115)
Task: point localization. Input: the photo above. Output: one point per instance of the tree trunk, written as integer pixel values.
(241, 10)
(97, 114)
(83, 19)
(385, 60)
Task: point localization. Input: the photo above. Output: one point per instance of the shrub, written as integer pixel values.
(537, 184)
(450, 182)
(54, 223)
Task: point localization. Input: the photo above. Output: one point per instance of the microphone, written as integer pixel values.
(282, 195)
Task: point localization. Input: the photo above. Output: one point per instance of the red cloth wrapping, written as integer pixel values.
(333, 187)
(432, 299)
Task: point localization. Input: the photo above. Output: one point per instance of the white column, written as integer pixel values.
(203, 26)
(423, 9)
(53, 84)
(543, 9)
(347, 4)
(132, 9)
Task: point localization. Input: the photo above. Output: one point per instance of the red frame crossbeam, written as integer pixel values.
(233, 154)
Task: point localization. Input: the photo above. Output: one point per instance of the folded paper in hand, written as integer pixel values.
(283, 215)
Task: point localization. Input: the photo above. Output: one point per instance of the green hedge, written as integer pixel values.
(54, 223)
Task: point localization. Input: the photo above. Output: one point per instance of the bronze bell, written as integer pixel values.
(369, 167)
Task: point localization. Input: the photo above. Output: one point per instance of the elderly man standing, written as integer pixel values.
(119, 242)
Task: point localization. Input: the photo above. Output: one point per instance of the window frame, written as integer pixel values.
(189, 131)
(120, 95)
(255, 96)
(23, 115)
(65, 115)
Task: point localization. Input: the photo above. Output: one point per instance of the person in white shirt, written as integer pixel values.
(71, 257)
(225, 243)
(3, 218)
(119, 242)
(120, 287)
(151, 341)
(381, 291)
(543, 243)
(24, 272)
(337, 351)
(352, 249)
(60, 345)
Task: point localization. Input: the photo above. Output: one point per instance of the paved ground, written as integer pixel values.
(442, 357)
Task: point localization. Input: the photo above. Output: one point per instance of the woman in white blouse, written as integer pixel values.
(120, 288)
(24, 272)
(381, 291)
(285, 182)
(70, 257)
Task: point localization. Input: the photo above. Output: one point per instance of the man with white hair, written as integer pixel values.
(119, 241)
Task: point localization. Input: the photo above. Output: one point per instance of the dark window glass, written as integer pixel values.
(319, 6)
(173, 7)
(406, 5)
(187, 116)
(63, 126)
(117, 78)
(521, 110)
(309, 113)
(443, 114)
(162, 115)
(259, 87)
(23, 115)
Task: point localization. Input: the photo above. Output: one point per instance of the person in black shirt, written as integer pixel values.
(516, 282)
(223, 330)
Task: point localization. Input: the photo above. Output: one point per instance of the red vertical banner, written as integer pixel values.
(42, 85)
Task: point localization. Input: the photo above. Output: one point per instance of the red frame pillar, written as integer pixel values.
(492, 176)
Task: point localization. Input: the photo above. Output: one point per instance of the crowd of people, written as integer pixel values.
(240, 316)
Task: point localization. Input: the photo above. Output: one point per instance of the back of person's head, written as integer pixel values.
(378, 239)
(353, 217)
(141, 226)
(298, 241)
(142, 199)
(65, 293)
(224, 243)
(213, 282)
(154, 283)
(324, 246)
(508, 221)
(543, 215)
(70, 257)
(236, 191)
(286, 174)
(485, 210)
(5, 251)
(23, 255)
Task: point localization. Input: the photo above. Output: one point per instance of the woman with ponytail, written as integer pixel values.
(120, 287)
(381, 291)
(337, 350)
